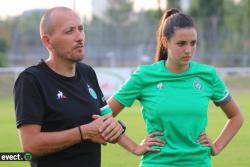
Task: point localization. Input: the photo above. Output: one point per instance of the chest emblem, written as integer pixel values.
(197, 84)
(60, 95)
(92, 92)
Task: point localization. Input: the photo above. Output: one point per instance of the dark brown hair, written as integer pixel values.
(170, 20)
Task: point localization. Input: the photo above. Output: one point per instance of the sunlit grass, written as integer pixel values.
(236, 153)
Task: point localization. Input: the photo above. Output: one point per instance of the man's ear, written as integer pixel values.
(164, 42)
(46, 41)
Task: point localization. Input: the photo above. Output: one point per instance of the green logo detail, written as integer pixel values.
(197, 84)
(92, 92)
(27, 156)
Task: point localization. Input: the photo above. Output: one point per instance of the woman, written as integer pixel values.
(174, 93)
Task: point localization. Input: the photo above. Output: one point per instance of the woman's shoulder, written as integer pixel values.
(148, 73)
(205, 71)
(197, 66)
(150, 67)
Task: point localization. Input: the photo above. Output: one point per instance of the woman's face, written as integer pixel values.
(181, 46)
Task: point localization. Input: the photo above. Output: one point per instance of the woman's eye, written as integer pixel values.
(181, 43)
(193, 43)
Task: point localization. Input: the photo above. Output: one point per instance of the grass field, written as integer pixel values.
(235, 155)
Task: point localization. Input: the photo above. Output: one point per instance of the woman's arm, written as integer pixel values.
(235, 121)
(106, 128)
(144, 146)
(115, 106)
(129, 144)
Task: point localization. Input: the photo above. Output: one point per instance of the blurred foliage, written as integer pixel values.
(237, 30)
(2, 59)
(26, 32)
(209, 20)
(119, 12)
(223, 26)
(3, 49)
(154, 15)
(173, 4)
(124, 35)
(3, 45)
(223, 29)
(107, 36)
(23, 38)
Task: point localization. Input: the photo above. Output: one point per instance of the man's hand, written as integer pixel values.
(91, 130)
(110, 129)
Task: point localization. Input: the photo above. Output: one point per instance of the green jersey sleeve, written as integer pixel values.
(220, 95)
(106, 110)
(131, 89)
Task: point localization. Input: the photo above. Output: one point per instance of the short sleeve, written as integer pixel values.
(29, 105)
(220, 95)
(131, 89)
(106, 110)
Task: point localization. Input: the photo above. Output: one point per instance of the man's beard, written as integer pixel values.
(74, 59)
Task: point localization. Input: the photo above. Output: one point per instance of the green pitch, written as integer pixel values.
(236, 154)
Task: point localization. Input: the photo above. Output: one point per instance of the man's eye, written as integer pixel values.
(70, 31)
(80, 29)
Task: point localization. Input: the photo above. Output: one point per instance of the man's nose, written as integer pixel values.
(80, 36)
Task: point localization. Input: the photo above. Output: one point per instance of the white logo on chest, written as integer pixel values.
(60, 95)
(160, 85)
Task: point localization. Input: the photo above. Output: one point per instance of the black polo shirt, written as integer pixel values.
(58, 103)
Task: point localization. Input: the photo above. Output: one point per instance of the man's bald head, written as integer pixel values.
(46, 23)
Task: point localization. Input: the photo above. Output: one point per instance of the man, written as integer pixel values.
(55, 100)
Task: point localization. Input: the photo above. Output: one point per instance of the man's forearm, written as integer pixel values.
(44, 143)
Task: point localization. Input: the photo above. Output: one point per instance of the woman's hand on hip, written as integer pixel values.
(206, 141)
(148, 141)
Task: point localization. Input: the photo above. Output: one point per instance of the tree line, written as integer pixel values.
(124, 37)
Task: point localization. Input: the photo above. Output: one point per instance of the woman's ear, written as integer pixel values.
(164, 42)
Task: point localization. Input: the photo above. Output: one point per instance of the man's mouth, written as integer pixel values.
(78, 46)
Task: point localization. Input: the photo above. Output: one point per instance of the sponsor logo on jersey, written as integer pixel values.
(60, 95)
(197, 84)
(92, 92)
(160, 85)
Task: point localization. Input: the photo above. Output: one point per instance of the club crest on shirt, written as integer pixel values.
(197, 84)
(92, 92)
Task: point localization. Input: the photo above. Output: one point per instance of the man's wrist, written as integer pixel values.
(81, 133)
(84, 129)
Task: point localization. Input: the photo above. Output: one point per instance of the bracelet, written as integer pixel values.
(81, 133)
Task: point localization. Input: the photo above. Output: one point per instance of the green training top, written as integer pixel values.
(175, 104)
